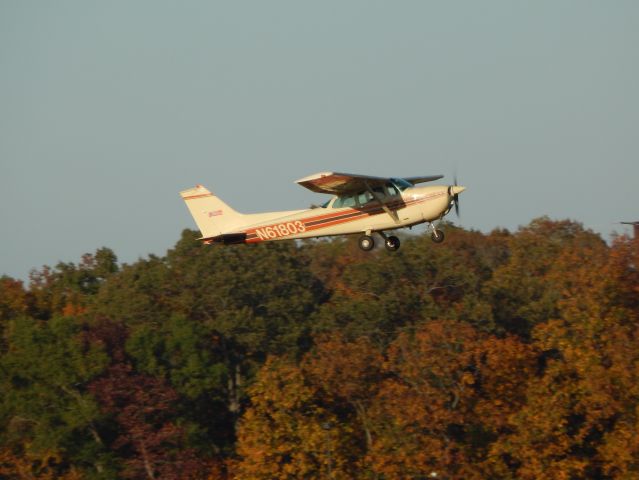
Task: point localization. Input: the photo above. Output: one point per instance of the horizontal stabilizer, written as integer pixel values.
(227, 238)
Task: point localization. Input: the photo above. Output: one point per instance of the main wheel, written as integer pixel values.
(437, 236)
(392, 244)
(366, 242)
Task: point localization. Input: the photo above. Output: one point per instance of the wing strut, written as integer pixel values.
(392, 214)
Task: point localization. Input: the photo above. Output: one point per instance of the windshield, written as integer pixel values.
(401, 183)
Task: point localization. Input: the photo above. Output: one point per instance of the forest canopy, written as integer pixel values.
(502, 355)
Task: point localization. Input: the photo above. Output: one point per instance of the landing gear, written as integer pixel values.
(437, 236)
(392, 243)
(366, 242)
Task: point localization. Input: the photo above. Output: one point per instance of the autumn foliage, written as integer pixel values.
(491, 356)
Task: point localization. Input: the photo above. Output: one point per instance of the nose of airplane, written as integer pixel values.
(453, 194)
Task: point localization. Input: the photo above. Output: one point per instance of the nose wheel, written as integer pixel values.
(437, 236)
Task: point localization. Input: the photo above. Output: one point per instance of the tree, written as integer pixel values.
(583, 407)
(287, 433)
(66, 288)
(18, 467)
(376, 294)
(148, 440)
(138, 294)
(45, 408)
(13, 303)
(257, 300)
(188, 356)
(348, 375)
(448, 392)
(520, 291)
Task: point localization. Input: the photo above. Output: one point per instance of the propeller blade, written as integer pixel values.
(455, 194)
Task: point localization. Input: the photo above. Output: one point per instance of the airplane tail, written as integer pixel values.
(212, 216)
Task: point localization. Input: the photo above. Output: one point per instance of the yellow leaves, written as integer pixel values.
(44, 466)
(287, 433)
(467, 379)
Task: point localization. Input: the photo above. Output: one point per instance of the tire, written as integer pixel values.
(392, 244)
(366, 243)
(437, 236)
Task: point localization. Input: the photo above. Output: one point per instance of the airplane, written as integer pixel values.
(361, 204)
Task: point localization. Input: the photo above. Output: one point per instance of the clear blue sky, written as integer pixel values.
(109, 108)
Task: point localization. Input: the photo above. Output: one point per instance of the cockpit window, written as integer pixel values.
(365, 198)
(379, 191)
(392, 190)
(401, 183)
(325, 204)
(345, 201)
(362, 199)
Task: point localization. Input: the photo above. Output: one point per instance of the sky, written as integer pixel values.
(109, 109)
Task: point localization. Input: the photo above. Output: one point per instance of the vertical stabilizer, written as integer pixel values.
(212, 216)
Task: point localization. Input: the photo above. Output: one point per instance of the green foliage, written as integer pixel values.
(257, 296)
(182, 351)
(138, 294)
(67, 287)
(45, 406)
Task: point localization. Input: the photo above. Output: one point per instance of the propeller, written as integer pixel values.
(455, 195)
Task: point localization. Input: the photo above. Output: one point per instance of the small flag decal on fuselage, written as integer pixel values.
(215, 213)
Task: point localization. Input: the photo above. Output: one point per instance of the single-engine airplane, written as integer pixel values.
(360, 204)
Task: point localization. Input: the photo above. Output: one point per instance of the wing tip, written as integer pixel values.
(314, 176)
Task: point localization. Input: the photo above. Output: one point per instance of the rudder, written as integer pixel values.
(212, 216)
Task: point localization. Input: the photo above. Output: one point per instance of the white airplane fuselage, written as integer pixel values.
(413, 206)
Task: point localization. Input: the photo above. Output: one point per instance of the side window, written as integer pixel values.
(364, 198)
(392, 190)
(346, 201)
(379, 192)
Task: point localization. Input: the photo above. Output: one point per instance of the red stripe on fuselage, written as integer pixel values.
(340, 217)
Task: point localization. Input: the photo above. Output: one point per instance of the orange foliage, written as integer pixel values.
(71, 310)
(452, 388)
(580, 418)
(13, 298)
(43, 467)
(426, 407)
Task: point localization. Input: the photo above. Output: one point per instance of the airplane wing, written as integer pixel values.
(336, 183)
(416, 180)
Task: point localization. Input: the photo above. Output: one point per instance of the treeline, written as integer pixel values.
(501, 356)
